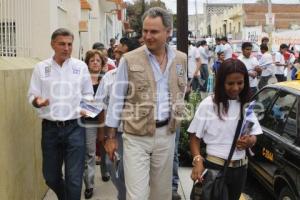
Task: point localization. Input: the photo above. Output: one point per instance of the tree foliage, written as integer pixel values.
(136, 10)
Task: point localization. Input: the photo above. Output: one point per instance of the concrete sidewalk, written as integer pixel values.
(107, 191)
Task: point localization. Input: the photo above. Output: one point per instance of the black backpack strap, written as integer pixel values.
(237, 133)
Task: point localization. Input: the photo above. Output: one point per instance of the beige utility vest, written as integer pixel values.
(140, 102)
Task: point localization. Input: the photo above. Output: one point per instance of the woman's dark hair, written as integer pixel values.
(230, 66)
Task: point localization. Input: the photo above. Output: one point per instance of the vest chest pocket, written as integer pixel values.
(139, 91)
(137, 72)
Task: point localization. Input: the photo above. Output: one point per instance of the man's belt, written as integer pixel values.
(60, 124)
(232, 163)
(161, 123)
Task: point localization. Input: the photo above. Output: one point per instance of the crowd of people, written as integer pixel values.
(139, 80)
(262, 66)
(138, 87)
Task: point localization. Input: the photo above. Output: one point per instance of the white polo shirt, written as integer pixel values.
(64, 87)
(266, 63)
(250, 64)
(279, 58)
(227, 51)
(218, 134)
(193, 54)
(204, 54)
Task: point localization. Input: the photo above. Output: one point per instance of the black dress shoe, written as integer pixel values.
(105, 178)
(88, 193)
(175, 196)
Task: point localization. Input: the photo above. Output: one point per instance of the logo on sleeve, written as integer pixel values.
(179, 70)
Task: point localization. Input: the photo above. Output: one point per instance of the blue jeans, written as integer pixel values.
(204, 77)
(63, 144)
(175, 178)
(195, 84)
(120, 181)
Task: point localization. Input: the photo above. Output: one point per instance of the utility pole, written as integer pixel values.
(143, 7)
(270, 24)
(182, 25)
(196, 15)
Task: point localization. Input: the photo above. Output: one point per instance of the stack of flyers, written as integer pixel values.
(247, 126)
(89, 108)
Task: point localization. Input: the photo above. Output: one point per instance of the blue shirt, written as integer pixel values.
(216, 65)
(120, 87)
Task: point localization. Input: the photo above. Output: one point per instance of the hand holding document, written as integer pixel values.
(89, 108)
(247, 126)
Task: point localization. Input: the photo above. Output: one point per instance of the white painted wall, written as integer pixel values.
(48, 15)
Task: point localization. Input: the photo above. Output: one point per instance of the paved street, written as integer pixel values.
(255, 191)
(106, 190)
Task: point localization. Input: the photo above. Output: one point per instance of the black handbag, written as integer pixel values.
(212, 187)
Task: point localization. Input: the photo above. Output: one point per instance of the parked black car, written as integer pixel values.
(276, 163)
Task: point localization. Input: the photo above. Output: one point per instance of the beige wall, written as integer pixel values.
(232, 18)
(41, 29)
(47, 16)
(20, 134)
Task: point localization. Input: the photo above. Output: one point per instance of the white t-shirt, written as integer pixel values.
(279, 58)
(204, 54)
(250, 64)
(219, 48)
(227, 51)
(266, 63)
(193, 54)
(218, 134)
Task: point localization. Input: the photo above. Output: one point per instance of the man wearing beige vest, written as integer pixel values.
(148, 96)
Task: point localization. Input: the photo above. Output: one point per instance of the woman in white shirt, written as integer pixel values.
(215, 123)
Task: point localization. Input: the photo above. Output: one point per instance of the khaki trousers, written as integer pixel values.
(148, 163)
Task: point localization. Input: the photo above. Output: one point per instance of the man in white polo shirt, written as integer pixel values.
(227, 49)
(280, 63)
(194, 64)
(57, 86)
(251, 64)
(265, 62)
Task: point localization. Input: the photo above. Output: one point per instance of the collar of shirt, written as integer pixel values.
(155, 65)
(54, 63)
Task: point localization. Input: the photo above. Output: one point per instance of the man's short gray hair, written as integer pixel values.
(165, 16)
(61, 32)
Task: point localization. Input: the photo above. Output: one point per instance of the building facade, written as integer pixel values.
(248, 21)
(211, 9)
(197, 25)
(26, 26)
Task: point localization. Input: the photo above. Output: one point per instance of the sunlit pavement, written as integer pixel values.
(107, 191)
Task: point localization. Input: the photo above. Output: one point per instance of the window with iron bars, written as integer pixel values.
(8, 39)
